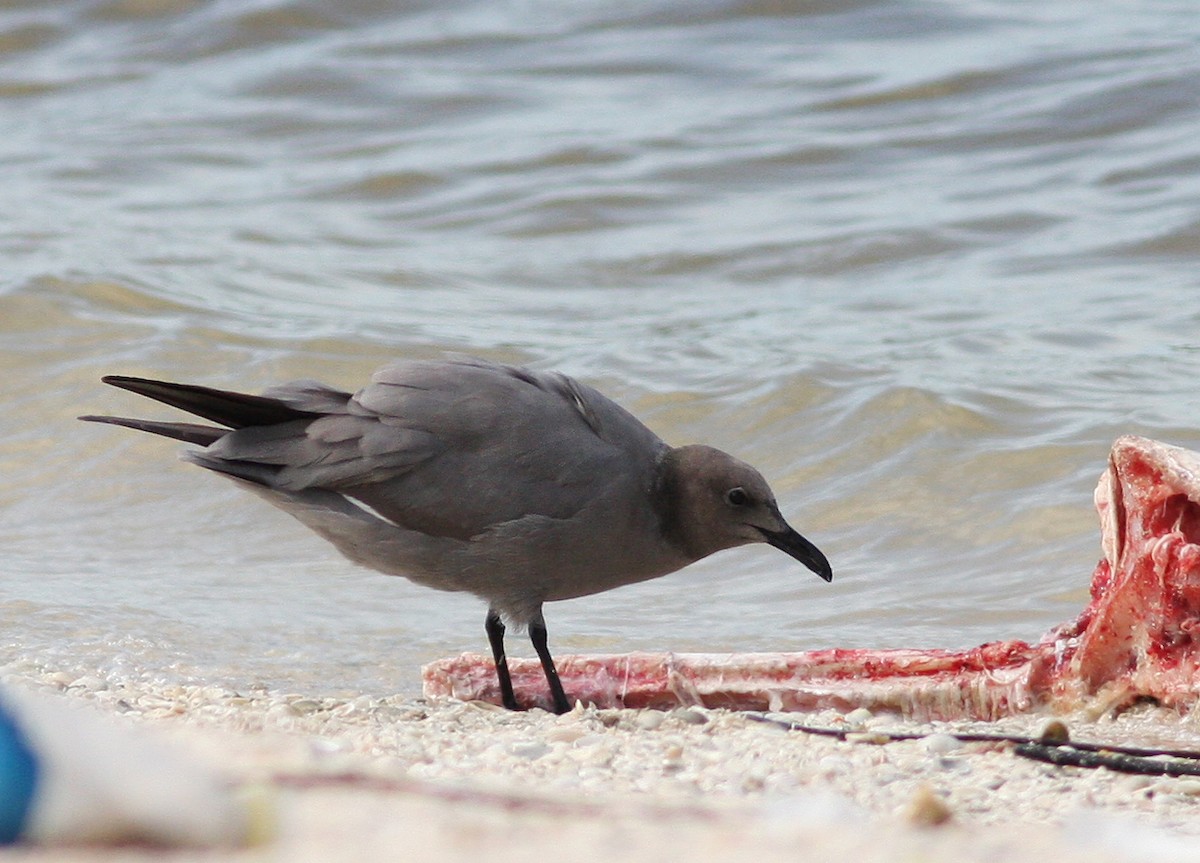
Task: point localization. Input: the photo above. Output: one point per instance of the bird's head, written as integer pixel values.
(716, 501)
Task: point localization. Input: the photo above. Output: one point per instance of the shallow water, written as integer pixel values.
(918, 262)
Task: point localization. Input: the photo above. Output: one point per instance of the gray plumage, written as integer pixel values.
(518, 486)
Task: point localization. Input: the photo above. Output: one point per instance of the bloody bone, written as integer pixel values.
(1135, 640)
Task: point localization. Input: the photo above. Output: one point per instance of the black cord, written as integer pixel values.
(1089, 755)
(1052, 747)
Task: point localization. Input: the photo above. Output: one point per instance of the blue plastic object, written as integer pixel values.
(18, 777)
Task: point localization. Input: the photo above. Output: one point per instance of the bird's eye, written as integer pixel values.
(737, 497)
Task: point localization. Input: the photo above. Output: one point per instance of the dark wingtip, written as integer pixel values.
(128, 382)
(235, 410)
(186, 432)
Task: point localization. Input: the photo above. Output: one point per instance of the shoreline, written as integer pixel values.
(374, 775)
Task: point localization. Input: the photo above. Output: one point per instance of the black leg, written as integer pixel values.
(495, 633)
(537, 634)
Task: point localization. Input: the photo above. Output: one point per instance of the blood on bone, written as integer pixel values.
(1135, 640)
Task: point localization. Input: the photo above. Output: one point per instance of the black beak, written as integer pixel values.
(790, 542)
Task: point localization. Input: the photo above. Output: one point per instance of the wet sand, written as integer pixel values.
(379, 778)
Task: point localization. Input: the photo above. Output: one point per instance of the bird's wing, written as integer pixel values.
(450, 448)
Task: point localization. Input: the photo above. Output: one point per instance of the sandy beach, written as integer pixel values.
(369, 777)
